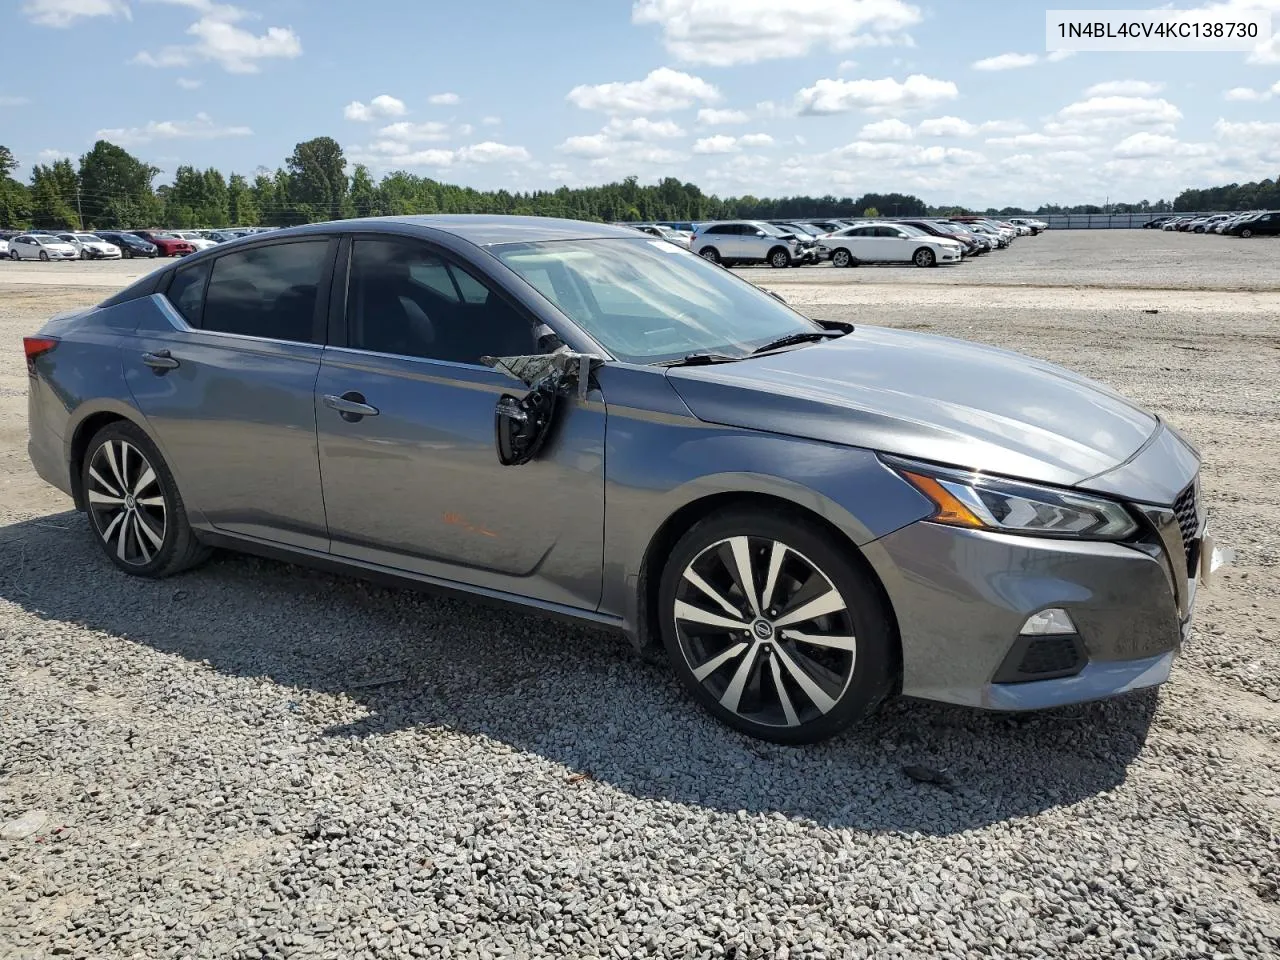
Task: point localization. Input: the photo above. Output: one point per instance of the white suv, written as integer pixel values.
(751, 241)
(889, 243)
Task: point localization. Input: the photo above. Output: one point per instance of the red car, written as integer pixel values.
(168, 244)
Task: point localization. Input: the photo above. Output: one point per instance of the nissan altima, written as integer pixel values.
(809, 516)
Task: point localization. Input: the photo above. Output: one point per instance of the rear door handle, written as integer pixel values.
(350, 406)
(160, 361)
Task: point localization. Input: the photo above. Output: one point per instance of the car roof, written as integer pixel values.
(479, 229)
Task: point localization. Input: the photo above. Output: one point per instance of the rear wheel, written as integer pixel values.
(924, 257)
(779, 258)
(710, 253)
(135, 510)
(773, 627)
(842, 258)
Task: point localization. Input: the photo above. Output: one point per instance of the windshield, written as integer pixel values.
(88, 238)
(808, 228)
(160, 235)
(911, 231)
(773, 231)
(647, 301)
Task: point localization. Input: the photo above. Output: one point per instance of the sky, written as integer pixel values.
(956, 101)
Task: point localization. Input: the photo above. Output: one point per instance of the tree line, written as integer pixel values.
(110, 188)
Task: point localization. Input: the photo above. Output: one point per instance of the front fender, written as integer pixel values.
(659, 462)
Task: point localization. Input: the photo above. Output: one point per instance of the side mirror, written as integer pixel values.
(760, 233)
(521, 425)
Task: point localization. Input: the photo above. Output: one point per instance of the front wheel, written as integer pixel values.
(84, 254)
(774, 627)
(924, 257)
(126, 254)
(135, 510)
(842, 258)
(14, 256)
(1246, 233)
(44, 255)
(779, 258)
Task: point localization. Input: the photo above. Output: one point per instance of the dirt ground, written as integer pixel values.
(1167, 810)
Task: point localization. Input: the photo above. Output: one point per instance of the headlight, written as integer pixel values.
(964, 499)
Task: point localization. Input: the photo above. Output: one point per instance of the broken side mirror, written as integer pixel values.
(523, 424)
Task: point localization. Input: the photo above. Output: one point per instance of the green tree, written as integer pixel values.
(317, 179)
(242, 207)
(871, 212)
(53, 196)
(15, 202)
(364, 195)
(116, 188)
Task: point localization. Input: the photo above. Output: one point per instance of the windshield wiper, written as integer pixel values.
(794, 338)
(700, 359)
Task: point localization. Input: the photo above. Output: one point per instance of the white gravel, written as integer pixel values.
(256, 760)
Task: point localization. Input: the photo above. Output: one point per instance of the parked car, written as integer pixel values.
(657, 230)
(968, 242)
(1036, 227)
(1157, 222)
(90, 246)
(4, 246)
(751, 241)
(804, 541)
(195, 239)
(1000, 238)
(222, 236)
(168, 244)
(130, 244)
(888, 243)
(984, 242)
(1258, 225)
(40, 246)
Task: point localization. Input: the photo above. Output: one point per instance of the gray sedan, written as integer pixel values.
(810, 518)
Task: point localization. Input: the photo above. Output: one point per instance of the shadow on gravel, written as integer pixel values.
(573, 696)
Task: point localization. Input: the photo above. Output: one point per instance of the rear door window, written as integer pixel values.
(186, 291)
(267, 291)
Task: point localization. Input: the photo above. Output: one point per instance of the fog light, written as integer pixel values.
(1052, 621)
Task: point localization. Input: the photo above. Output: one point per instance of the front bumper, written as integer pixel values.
(961, 598)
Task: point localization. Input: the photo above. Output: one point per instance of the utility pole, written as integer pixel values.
(79, 213)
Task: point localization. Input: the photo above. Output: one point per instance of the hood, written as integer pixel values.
(928, 397)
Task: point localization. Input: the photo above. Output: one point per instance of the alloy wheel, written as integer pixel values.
(841, 258)
(126, 502)
(765, 631)
(924, 258)
(780, 259)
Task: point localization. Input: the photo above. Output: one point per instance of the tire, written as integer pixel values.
(84, 254)
(710, 253)
(824, 687)
(126, 254)
(924, 257)
(44, 255)
(1246, 233)
(842, 258)
(779, 258)
(121, 459)
(14, 256)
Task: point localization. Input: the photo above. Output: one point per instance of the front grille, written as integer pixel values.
(1186, 510)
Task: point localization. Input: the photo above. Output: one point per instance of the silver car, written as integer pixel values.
(752, 241)
(808, 517)
(90, 246)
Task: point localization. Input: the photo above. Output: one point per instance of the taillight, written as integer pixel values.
(36, 346)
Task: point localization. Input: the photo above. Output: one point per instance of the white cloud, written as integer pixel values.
(50, 154)
(1124, 88)
(1096, 113)
(756, 140)
(1256, 130)
(727, 32)
(717, 144)
(840, 96)
(491, 121)
(7, 100)
(491, 152)
(1142, 145)
(1057, 56)
(443, 99)
(1003, 126)
(407, 132)
(186, 83)
(1249, 95)
(383, 105)
(218, 40)
(662, 90)
(642, 128)
(1006, 61)
(886, 130)
(1041, 140)
(946, 127)
(201, 128)
(710, 116)
(589, 145)
(846, 66)
(63, 13)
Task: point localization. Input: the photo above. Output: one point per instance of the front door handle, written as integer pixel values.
(160, 361)
(350, 406)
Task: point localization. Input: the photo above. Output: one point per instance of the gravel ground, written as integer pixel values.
(254, 760)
